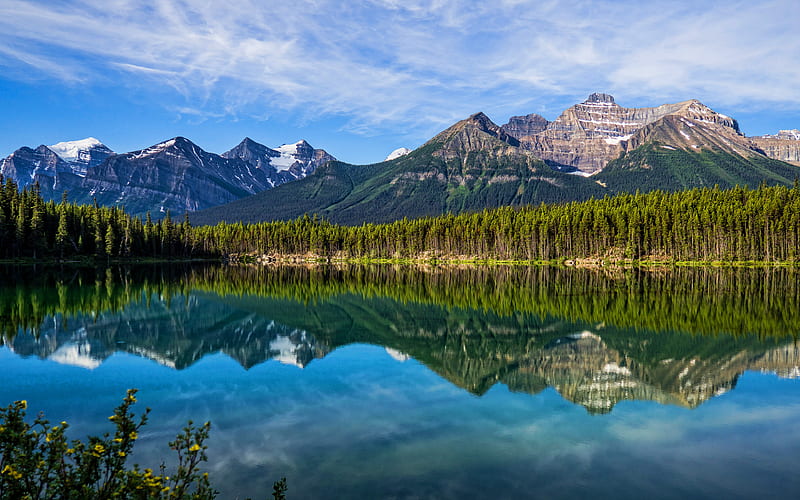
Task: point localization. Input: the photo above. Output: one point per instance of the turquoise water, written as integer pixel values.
(368, 395)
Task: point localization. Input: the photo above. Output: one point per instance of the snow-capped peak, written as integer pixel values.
(397, 153)
(287, 158)
(71, 150)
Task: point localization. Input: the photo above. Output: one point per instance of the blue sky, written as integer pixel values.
(361, 78)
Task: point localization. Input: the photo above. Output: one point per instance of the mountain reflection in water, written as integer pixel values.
(677, 336)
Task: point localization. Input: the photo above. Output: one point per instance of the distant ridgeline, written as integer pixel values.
(738, 224)
(709, 301)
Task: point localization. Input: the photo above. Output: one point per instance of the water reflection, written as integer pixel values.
(676, 337)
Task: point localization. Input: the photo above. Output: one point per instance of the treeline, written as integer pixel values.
(33, 228)
(29, 294)
(700, 224)
(738, 224)
(705, 301)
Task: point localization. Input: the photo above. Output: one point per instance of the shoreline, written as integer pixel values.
(313, 259)
(461, 260)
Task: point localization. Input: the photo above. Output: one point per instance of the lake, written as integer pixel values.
(389, 381)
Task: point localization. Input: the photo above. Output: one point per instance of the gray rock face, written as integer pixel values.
(174, 175)
(28, 166)
(253, 153)
(600, 98)
(783, 146)
(283, 164)
(521, 126)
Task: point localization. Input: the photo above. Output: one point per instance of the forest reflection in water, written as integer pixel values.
(673, 335)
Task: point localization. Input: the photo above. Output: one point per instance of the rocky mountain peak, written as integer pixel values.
(28, 166)
(182, 142)
(599, 98)
(588, 135)
(249, 143)
(481, 122)
(476, 133)
(521, 126)
(45, 151)
(699, 112)
(251, 151)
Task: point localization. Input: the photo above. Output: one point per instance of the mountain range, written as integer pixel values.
(175, 175)
(592, 149)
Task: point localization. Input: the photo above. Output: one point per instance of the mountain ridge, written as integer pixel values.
(472, 164)
(476, 164)
(175, 174)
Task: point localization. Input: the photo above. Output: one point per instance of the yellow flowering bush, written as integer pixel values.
(38, 462)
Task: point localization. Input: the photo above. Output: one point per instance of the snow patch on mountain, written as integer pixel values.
(71, 150)
(152, 150)
(617, 140)
(287, 158)
(397, 153)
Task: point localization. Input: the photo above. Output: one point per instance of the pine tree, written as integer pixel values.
(110, 241)
(62, 234)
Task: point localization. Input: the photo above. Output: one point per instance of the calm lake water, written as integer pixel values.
(424, 382)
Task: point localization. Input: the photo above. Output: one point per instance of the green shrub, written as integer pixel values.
(38, 462)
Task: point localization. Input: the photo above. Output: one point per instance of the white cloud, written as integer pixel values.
(411, 64)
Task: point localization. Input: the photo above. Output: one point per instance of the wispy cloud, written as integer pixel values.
(411, 64)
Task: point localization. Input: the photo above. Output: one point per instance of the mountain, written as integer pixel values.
(783, 146)
(179, 176)
(174, 175)
(593, 149)
(587, 136)
(56, 168)
(286, 163)
(657, 165)
(472, 165)
(82, 154)
(28, 166)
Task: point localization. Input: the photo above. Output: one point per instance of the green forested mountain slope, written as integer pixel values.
(470, 166)
(656, 165)
(475, 165)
